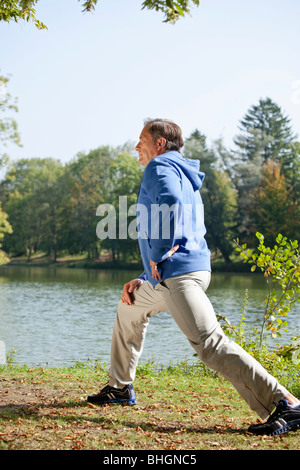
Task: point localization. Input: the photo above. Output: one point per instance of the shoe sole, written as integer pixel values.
(129, 402)
(292, 426)
(120, 401)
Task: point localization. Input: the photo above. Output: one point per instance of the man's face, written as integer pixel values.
(146, 148)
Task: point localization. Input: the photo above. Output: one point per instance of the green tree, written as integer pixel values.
(274, 209)
(8, 133)
(31, 199)
(87, 183)
(265, 131)
(125, 176)
(20, 10)
(292, 170)
(25, 9)
(172, 10)
(5, 228)
(53, 207)
(49, 200)
(8, 125)
(266, 134)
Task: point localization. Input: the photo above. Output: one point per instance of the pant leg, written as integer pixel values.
(191, 309)
(129, 333)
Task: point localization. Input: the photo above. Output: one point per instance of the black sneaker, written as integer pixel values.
(125, 396)
(282, 420)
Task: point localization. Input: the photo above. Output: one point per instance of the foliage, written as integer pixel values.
(172, 10)
(87, 184)
(274, 208)
(125, 175)
(265, 131)
(5, 228)
(25, 9)
(8, 125)
(20, 10)
(32, 198)
(281, 269)
(8, 133)
(291, 351)
(52, 207)
(249, 339)
(265, 136)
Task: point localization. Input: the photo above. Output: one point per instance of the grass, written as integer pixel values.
(179, 407)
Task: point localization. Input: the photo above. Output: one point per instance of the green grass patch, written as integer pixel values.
(180, 407)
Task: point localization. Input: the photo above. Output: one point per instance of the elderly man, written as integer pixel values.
(176, 275)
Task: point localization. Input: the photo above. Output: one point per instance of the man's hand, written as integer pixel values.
(128, 288)
(155, 274)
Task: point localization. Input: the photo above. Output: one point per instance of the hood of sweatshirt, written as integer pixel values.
(190, 167)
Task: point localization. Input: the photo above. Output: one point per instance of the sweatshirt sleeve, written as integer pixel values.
(143, 276)
(163, 185)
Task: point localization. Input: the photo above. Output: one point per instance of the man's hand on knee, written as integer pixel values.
(128, 288)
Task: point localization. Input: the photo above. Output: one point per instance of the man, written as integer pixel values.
(176, 276)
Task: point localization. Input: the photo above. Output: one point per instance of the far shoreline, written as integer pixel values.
(218, 265)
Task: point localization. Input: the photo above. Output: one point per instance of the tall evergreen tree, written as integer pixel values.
(266, 135)
(265, 131)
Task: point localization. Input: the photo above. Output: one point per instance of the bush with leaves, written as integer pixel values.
(281, 269)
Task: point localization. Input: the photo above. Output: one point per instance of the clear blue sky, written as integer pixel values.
(91, 79)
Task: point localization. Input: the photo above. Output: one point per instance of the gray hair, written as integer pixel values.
(168, 129)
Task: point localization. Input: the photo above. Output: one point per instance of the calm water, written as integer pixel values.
(56, 316)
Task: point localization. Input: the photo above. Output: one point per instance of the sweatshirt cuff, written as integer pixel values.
(143, 276)
(159, 255)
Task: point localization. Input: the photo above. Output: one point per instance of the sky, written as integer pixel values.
(91, 79)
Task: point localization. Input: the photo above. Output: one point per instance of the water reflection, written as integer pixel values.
(55, 316)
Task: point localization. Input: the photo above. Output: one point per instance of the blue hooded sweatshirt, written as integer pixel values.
(170, 212)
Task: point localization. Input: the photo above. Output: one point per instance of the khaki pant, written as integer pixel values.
(184, 297)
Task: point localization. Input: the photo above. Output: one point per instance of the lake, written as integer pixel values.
(57, 316)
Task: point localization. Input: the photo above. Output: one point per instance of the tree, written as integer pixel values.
(25, 9)
(5, 228)
(53, 207)
(20, 10)
(31, 196)
(266, 134)
(274, 210)
(8, 133)
(291, 169)
(49, 201)
(171, 9)
(8, 125)
(125, 176)
(87, 184)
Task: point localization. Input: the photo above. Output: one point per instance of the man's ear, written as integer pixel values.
(161, 143)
